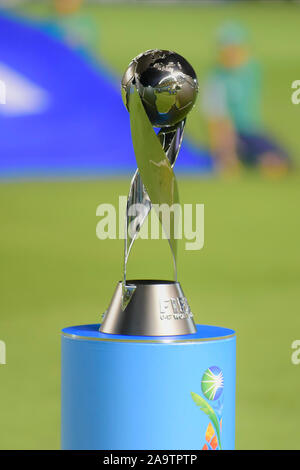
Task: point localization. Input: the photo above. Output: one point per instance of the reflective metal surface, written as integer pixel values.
(171, 82)
(155, 181)
(156, 308)
(159, 88)
(171, 139)
(167, 85)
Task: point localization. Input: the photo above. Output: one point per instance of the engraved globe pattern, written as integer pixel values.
(166, 83)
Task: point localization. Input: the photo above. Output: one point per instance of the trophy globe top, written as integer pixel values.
(167, 85)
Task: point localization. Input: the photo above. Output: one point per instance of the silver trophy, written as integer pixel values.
(159, 88)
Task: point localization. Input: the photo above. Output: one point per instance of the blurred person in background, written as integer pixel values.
(71, 24)
(231, 105)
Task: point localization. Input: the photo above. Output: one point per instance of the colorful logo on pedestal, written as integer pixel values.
(212, 385)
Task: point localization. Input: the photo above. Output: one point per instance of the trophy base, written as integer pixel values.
(151, 393)
(148, 308)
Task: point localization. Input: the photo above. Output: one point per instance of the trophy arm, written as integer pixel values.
(137, 195)
(171, 140)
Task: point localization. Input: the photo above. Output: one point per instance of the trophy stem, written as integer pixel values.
(171, 140)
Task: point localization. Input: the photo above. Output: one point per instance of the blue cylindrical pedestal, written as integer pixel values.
(130, 392)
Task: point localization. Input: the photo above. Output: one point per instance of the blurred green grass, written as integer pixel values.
(56, 273)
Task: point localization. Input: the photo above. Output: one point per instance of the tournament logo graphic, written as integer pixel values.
(212, 385)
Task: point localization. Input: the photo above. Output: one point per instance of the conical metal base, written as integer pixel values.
(148, 308)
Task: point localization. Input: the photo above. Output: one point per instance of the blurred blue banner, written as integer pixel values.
(63, 115)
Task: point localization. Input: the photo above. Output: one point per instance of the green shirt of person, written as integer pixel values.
(231, 104)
